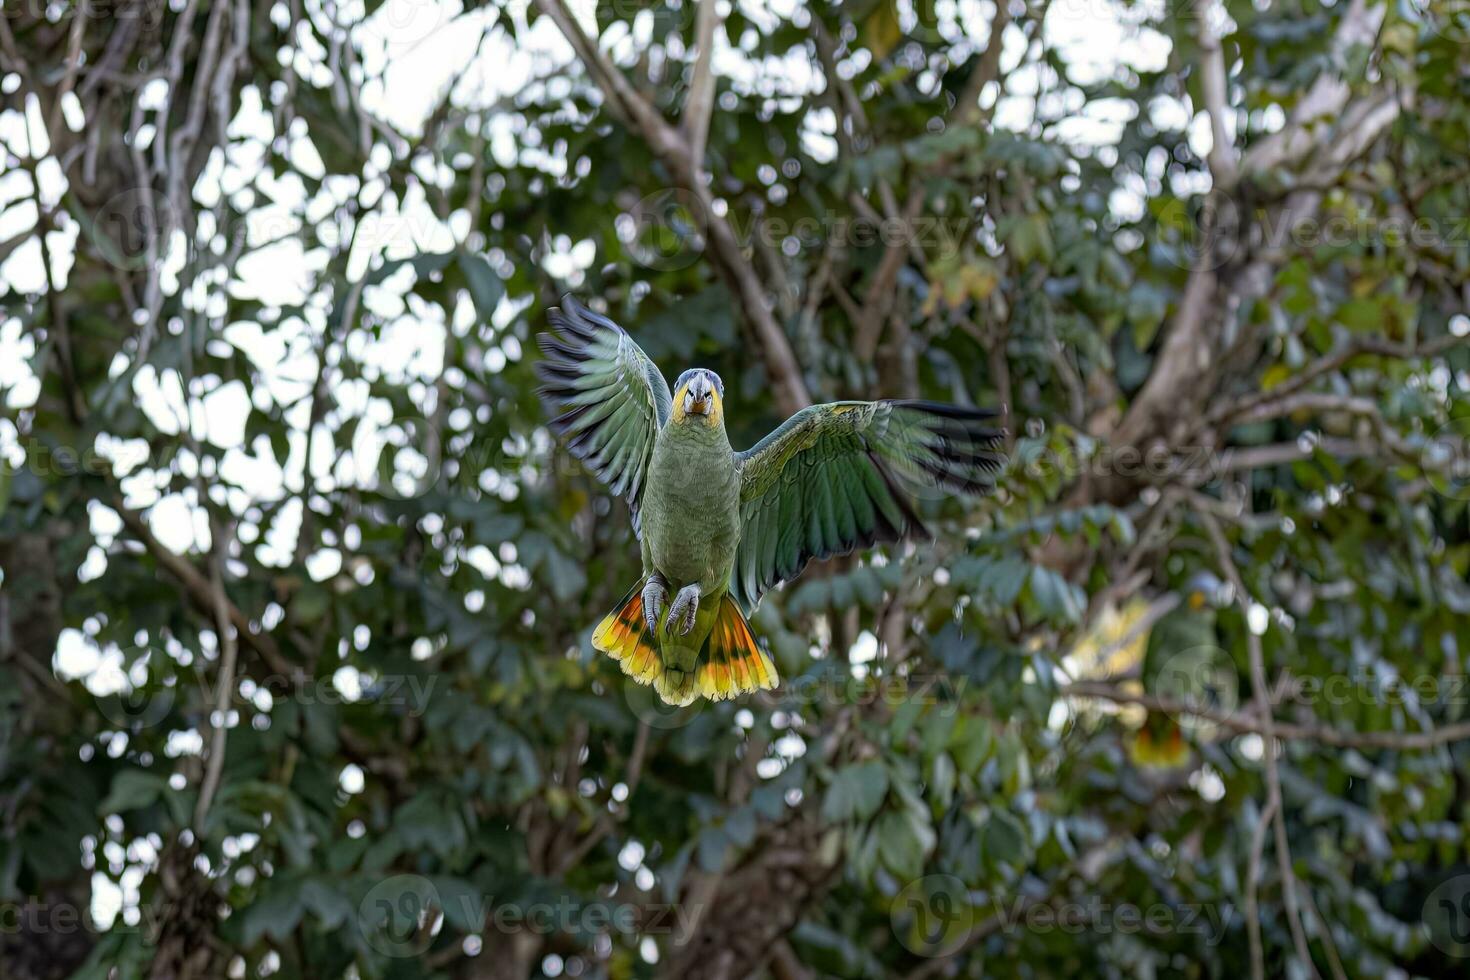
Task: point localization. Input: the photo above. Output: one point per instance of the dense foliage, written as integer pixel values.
(295, 673)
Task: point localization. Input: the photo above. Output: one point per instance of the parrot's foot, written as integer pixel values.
(655, 598)
(682, 612)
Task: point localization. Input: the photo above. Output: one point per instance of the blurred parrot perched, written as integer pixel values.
(1183, 663)
(718, 528)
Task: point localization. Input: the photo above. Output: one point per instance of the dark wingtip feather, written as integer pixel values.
(577, 319)
(555, 373)
(915, 524)
(572, 322)
(947, 410)
(553, 346)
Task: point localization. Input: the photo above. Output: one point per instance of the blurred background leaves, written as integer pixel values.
(294, 665)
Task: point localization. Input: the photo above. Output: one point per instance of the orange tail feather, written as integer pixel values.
(624, 636)
(732, 663)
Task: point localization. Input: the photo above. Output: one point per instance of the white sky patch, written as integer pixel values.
(76, 655)
(178, 525)
(1100, 121)
(324, 564)
(1096, 37)
(107, 900)
(222, 420)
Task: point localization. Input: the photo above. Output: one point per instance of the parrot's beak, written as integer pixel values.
(699, 396)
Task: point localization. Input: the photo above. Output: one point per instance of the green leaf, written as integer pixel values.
(275, 913)
(1003, 839)
(713, 846)
(486, 289)
(133, 789)
(856, 792)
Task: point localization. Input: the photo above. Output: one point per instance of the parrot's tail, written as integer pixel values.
(730, 664)
(1159, 744)
(624, 636)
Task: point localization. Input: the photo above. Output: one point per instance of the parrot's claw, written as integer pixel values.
(683, 611)
(655, 597)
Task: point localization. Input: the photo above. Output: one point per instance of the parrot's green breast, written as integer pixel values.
(691, 507)
(691, 522)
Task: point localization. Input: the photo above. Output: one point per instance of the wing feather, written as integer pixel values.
(846, 475)
(604, 396)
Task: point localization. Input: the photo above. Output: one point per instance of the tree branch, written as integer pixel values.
(1217, 289)
(225, 685)
(701, 102)
(201, 593)
(1253, 887)
(987, 70)
(1326, 99)
(1214, 87)
(1247, 405)
(1265, 709)
(1248, 723)
(883, 290)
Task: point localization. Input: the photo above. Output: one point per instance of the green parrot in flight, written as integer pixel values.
(718, 528)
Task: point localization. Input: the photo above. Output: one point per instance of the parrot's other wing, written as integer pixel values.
(842, 476)
(606, 398)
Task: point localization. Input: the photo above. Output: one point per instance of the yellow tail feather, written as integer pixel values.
(624, 636)
(732, 663)
(1162, 750)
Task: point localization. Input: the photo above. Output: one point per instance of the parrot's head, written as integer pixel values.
(1205, 591)
(699, 394)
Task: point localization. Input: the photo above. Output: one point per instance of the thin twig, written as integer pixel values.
(1354, 347)
(1242, 723)
(1265, 710)
(1253, 887)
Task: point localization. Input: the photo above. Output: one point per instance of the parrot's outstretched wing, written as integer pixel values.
(606, 398)
(842, 476)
